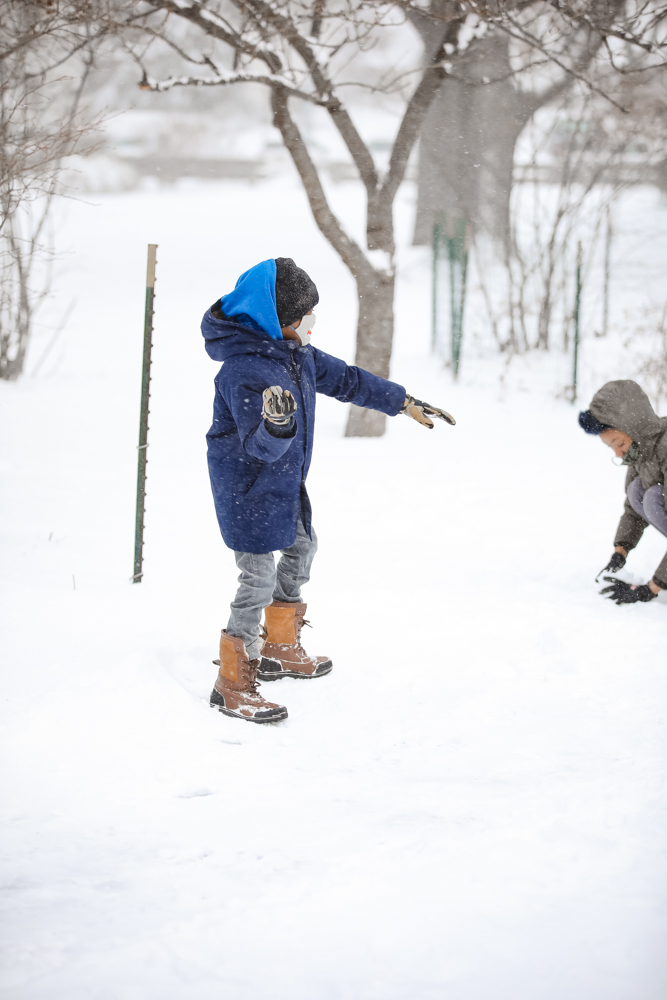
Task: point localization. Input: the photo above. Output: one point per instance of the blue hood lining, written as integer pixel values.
(253, 301)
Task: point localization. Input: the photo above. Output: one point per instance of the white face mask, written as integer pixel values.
(305, 329)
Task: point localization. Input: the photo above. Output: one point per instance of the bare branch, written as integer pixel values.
(200, 15)
(357, 147)
(604, 30)
(349, 251)
(522, 34)
(223, 80)
(288, 30)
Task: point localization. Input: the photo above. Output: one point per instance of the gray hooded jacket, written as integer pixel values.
(625, 406)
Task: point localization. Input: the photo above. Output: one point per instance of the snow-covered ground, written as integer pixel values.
(470, 806)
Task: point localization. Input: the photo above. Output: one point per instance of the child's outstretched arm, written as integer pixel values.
(351, 384)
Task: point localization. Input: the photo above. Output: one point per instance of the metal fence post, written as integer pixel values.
(450, 271)
(434, 304)
(143, 418)
(458, 273)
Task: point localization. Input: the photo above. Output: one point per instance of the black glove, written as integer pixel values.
(616, 562)
(421, 412)
(627, 593)
(279, 405)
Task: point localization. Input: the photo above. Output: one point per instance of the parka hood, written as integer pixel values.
(624, 405)
(226, 337)
(249, 321)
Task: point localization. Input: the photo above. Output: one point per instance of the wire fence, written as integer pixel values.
(450, 273)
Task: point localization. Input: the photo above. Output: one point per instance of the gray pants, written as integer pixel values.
(649, 504)
(260, 583)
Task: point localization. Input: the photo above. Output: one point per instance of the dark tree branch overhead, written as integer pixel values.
(602, 25)
(201, 15)
(349, 251)
(633, 22)
(574, 69)
(225, 80)
(356, 146)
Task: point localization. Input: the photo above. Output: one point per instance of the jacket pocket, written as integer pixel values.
(256, 483)
(246, 477)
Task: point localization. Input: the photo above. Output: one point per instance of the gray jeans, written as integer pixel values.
(260, 583)
(649, 504)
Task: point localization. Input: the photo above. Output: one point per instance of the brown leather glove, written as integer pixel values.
(421, 412)
(279, 405)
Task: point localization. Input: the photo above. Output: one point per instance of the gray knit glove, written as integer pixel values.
(279, 405)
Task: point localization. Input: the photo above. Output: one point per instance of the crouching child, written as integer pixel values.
(622, 417)
(259, 451)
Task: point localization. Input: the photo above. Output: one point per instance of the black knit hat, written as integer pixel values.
(590, 423)
(296, 293)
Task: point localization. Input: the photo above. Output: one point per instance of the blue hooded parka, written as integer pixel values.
(258, 475)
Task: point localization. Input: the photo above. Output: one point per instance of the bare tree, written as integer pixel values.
(314, 54)
(317, 52)
(40, 95)
(530, 54)
(585, 154)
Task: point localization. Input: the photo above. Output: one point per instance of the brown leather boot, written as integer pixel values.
(235, 692)
(282, 652)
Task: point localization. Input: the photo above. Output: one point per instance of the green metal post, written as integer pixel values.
(577, 308)
(458, 273)
(143, 418)
(434, 315)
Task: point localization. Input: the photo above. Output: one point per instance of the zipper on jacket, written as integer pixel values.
(295, 374)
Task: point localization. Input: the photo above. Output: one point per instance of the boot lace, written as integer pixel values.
(252, 678)
(300, 622)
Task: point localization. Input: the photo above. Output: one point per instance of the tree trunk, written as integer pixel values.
(467, 144)
(375, 334)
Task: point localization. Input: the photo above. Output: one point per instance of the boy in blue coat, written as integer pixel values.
(259, 451)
